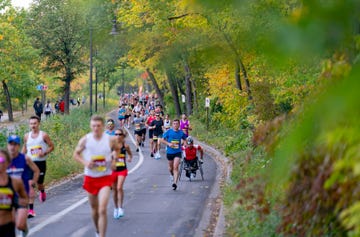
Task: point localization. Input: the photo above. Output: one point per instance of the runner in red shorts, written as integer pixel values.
(96, 151)
(120, 173)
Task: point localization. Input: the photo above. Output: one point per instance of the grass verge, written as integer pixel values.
(247, 213)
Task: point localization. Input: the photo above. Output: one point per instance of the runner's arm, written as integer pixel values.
(127, 147)
(201, 153)
(78, 153)
(34, 168)
(24, 148)
(164, 141)
(20, 190)
(49, 143)
(115, 150)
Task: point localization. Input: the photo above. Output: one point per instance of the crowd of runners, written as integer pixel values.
(104, 154)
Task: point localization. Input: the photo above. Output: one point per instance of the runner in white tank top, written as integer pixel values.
(96, 151)
(37, 145)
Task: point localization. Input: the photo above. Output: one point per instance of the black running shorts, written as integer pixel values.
(42, 167)
(172, 156)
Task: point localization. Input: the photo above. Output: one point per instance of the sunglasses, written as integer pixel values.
(119, 134)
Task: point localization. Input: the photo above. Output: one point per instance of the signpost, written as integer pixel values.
(43, 89)
(207, 106)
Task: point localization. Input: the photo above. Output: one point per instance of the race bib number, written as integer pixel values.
(120, 161)
(6, 197)
(137, 126)
(99, 163)
(35, 151)
(175, 144)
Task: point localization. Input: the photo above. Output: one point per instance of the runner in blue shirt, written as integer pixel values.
(121, 115)
(174, 138)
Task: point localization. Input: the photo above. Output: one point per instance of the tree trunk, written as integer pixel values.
(8, 101)
(247, 82)
(178, 83)
(156, 86)
(67, 96)
(188, 89)
(174, 93)
(237, 75)
(240, 63)
(195, 105)
(104, 94)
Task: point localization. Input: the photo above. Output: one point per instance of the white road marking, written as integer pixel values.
(59, 215)
(81, 232)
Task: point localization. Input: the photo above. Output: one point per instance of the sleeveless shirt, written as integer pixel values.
(35, 146)
(20, 170)
(121, 160)
(7, 196)
(98, 151)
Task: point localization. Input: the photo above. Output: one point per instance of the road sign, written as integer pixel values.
(183, 98)
(207, 102)
(41, 87)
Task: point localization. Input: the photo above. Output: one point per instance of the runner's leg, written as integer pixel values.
(21, 217)
(120, 190)
(94, 204)
(115, 195)
(171, 165)
(31, 192)
(176, 169)
(104, 195)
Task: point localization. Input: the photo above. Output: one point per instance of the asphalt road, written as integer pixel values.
(151, 207)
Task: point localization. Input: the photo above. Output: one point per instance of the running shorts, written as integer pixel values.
(115, 174)
(93, 185)
(8, 230)
(138, 132)
(172, 156)
(42, 167)
(151, 132)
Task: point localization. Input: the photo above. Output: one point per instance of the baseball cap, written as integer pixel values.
(14, 138)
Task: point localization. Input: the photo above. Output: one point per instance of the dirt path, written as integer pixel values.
(19, 118)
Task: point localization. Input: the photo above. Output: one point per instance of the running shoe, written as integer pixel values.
(97, 234)
(42, 196)
(120, 212)
(24, 233)
(171, 179)
(116, 213)
(152, 154)
(192, 176)
(174, 186)
(31, 214)
(137, 149)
